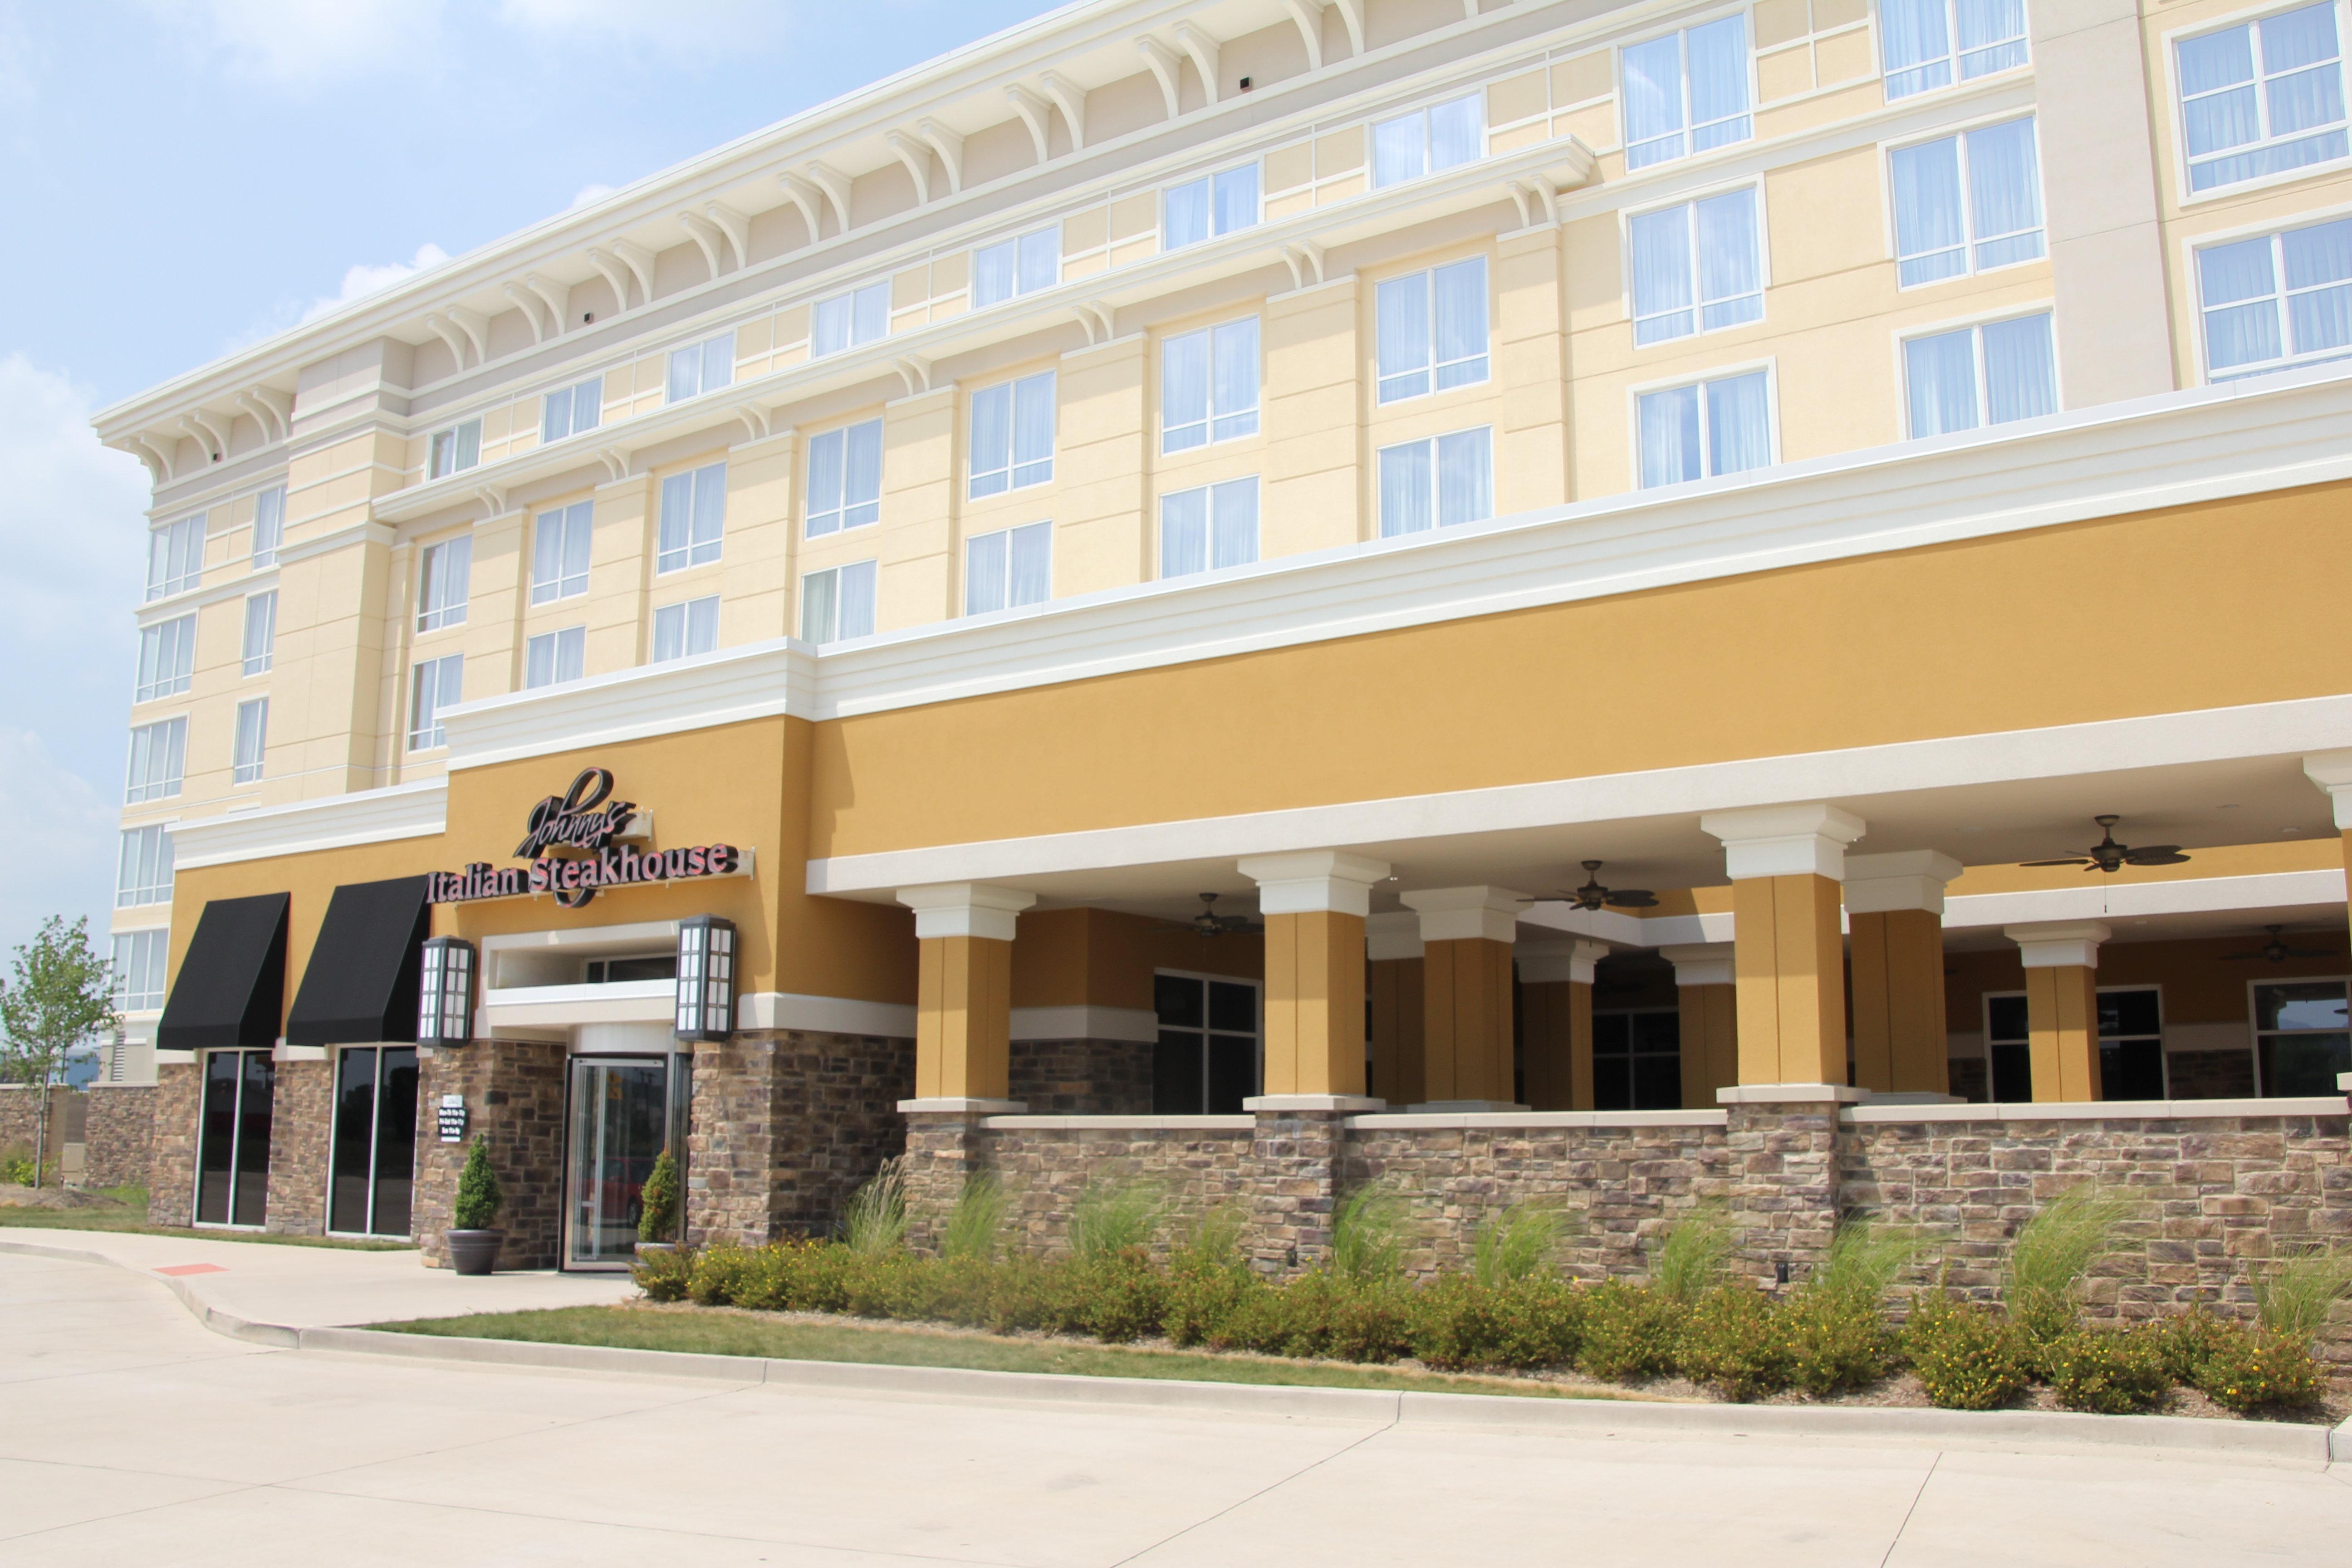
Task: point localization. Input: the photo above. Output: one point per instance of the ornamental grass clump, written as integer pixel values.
(1515, 1244)
(1837, 1334)
(1691, 1255)
(1966, 1357)
(873, 1222)
(1112, 1217)
(975, 1226)
(2054, 1251)
(2295, 1295)
(1367, 1234)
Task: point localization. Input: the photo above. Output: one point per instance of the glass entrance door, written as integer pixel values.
(620, 1119)
(233, 1159)
(374, 1167)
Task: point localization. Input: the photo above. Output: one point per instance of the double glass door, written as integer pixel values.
(375, 1141)
(623, 1111)
(233, 1151)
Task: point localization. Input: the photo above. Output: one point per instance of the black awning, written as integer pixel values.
(360, 986)
(232, 984)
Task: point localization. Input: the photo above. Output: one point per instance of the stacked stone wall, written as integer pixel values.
(1082, 1078)
(301, 1118)
(785, 1125)
(172, 1154)
(120, 1135)
(514, 1097)
(1045, 1170)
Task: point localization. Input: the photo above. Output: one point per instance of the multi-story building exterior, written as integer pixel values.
(1364, 459)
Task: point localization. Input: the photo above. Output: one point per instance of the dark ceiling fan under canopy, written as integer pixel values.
(2110, 856)
(2277, 951)
(1209, 922)
(1593, 895)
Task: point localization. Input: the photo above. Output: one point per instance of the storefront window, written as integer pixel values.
(2302, 1039)
(375, 1141)
(233, 1155)
(1637, 1061)
(1207, 1058)
(2131, 1045)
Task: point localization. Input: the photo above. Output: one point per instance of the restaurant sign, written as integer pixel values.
(570, 849)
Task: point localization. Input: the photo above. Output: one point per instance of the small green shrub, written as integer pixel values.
(657, 1201)
(1965, 1358)
(16, 1164)
(2110, 1371)
(2294, 1295)
(664, 1275)
(975, 1227)
(873, 1222)
(1125, 1295)
(1631, 1332)
(1838, 1340)
(479, 1196)
(2186, 1339)
(1111, 1217)
(2254, 1369)
(1208, 1280)
(1690, 1256)
(1736, 1343)
(1368, 1235)
(1537, 1321)
(2047, 1262)
(1515, 1244)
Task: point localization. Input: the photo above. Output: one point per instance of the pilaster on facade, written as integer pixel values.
(1786, 863)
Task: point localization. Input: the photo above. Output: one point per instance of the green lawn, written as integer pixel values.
(132, 1218)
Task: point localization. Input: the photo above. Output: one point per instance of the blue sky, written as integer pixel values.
(182, 177)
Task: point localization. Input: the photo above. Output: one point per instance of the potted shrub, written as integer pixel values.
(473, 1244)
(657, 1207)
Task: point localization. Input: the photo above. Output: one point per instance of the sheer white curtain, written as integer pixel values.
(2238, 287)
(820, 606)
(2318, 265)
(1730, 262)
(1233, 408)
(1400, 309)
(1184, 532)
(1456, 131)
(1738, 424)
(1404, 489)
(2005, 192)
(857, 599)
(1719, 83)
(1931, 238)
(1183, 392)
(2020, 370)
(1662, 276)
(1461, 290)
(1184, 218)
(1991, 34)
(1669, 435)
(826, 466)
(1653, 100)
(1942, 374)
(992, 439)
(984, 574)
(1918, 49)
(1399, 150)
(1236, 198)
(1032, 429)
(1032, 564)
(1233, 509)
(1465, 484)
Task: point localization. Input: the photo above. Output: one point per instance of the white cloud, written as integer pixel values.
(363, 280)
(61, 837)
(306, 43)
(592, 193)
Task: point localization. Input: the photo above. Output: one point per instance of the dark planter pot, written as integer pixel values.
(475, 1251)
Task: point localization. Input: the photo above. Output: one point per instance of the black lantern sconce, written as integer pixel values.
(445, 993)
(705, 978)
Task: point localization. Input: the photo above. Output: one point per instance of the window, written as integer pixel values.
(1208, 527)
(1207, 385)
(1013, 435)
(1686, 92)
(1988, 375)
(233, 1138)
(859, 316)
(837, 604)
(693, 516)
(2252, 324)
(1439, 482)
(1433, 329)
(374, 1163)
(167, 658)
(1211, 205)
(1012, 566)
(569, 410)
(845, 479)
(438, 684)
(554, 657)
(1966, 204)
(1705, 430)
(175, 556)
(1698, 268)
(1019, 266)
(682, 631)
(252, 741)
(1428, 139)
(2009, 1047)
(701, 367)
(268, 526)
(143, 874)
(140, 958)
(443, 582)
(261, 632)
(1637, 1061)
(2263, 98)
(2131, 1044)
(453, 450)
(1206, 1060)
(559, 551)
(1917, 39)
(158, 753)
(2301, 1039)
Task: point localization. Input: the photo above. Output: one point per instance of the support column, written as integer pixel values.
(1392, 964)
(1895, 919)
(1314, 905)
(1465, 937)
(1785, 864)
(963, 1004)
(2332, 772)
(1704, 985)
(1556, 1024)
(2062, 1005)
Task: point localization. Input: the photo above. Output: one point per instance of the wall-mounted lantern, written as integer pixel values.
(445, 993)
(705, 978)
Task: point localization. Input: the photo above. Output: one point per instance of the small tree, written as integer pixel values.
(657, 1201)
(57, 998)
(478, 1197)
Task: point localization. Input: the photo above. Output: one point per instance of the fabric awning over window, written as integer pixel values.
(359, 987)
(232, 983)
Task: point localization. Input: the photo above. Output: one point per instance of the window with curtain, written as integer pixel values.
(1966, 204)
(453, 450)
(261, 647)
(2263, 98)
(569, 410)
(1686, 92)
(1022, 264)
(1428, 139)
(551, 658)
(167, 658)
(444, 579)
(143, 873)
(1432, 330)
(437, 684)
(175, 556)
(1928, 44)
(681, 631)
(252, 741)
(1212, 205)
(693, 518)
(845, 479)
(1706, 429)
(158, 759)
(1437, 482)
(701, 367)
(1986, 374)
(837, 604)
(1698, 267)
(847, 320)
(1208, 526)
(139, 960)
(2277, 299)
(268, 526)
(1009, 567)
(559, 551)
(1207, 385)
(1013, 435)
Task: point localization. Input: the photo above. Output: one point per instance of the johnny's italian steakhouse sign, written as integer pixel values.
(570, 853)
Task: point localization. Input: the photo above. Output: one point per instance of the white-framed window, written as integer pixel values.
(1686, 92)
(1437, 482)
(1967, 202)
(1207, 1058)
(2277, 299)
(139, 960)
(143, 875)
(1021, 265)
(693, 517)
(175, 556)
(1922, 43)
(252, 741)
(1432, 330)
(2303, 1036)
(268, 526)
(845, 479)
(259, 648)
(1706, 429)
(1210, 206)
(845, 319)
(1442, 136)
(1011, 566)
(1013, 435)
(569, 410)
(552, 658)
(435, 686)
(158, 758)
(1989, 374)
(1208, 526)
(560, 543)
(2264, 96)
(684, 630)
(167, 658)
(837, 603)
(443, 582)
(453, 450)
(1698, 267)
(697, 368)
(1207, 385)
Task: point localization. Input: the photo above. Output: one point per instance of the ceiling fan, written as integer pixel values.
(1209, 922)
(2276, 952)
(1593, 895)
(2110, 856)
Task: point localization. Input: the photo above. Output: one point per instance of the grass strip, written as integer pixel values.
(134, 1222)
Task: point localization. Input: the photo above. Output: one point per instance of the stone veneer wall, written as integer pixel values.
(786, 1124)
(120, 1135)
(300, 1122)
(514, 1097)
(172, 1156)
(20, 1118)
(1197, 1161)
(1082, 1078)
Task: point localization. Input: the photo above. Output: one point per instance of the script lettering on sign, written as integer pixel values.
(570, 854)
